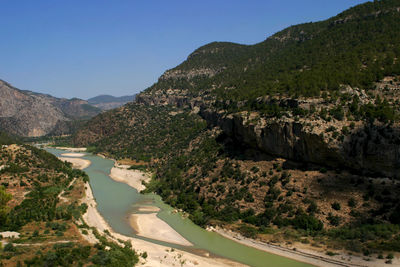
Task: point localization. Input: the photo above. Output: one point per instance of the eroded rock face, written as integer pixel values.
(30, 114)
(376, 149)
(188, 74)
(369, 150)
(161, 100)
(24, 114)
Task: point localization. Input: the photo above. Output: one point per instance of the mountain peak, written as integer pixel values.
(32, 114)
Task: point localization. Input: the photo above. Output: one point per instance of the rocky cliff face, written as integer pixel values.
(367, 149)
(30, 114)
(188, 74)
(176, 98)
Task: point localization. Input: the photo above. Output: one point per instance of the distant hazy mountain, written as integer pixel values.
(106, 102)
(26, 113)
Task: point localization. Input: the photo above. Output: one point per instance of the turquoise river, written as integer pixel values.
(116, 201)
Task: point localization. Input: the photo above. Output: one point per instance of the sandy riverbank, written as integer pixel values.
(77, 162)
(158, 255)
(303, 255)
(148, 209)
(146, 225)
(149, 225)
(133, 178)
(8, 234)
(73, 154)
(72, 149)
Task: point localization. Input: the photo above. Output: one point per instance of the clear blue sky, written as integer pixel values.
(82, 48)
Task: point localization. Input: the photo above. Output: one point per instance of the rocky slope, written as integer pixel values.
(31, 114)
(368, 148)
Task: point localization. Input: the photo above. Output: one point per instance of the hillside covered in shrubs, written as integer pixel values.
(294, 139)
(50, 228)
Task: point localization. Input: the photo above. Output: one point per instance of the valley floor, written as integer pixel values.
(158, 255)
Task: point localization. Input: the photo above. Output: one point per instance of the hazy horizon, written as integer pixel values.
(84, 49)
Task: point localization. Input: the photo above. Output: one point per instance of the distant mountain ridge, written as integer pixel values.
(32, 114)
(106, 102)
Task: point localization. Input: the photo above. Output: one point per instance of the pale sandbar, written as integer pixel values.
(77, 163)
(150, 226)
(148, 209)
(158, 255)
(73, 149)
(133, 178)
(72, 154)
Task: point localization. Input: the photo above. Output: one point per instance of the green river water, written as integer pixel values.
(116, 201)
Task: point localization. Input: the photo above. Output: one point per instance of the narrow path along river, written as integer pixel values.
(117, 201)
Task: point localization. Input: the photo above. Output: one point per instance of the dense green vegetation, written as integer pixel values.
(181, 190)
(47, 177)
(4, 199)
(356, 47)
(151, 132)
(42, 177)
(105, 253)
(6, 139)
(70, 254)
(51, 140)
